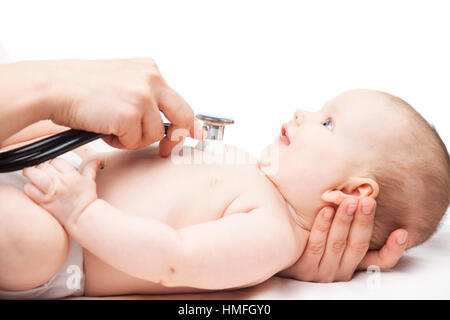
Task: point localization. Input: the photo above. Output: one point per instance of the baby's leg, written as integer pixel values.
(33, 245)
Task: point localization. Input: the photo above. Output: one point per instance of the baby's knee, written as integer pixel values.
(33, 245)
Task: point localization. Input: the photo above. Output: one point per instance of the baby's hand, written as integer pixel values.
(59, 188)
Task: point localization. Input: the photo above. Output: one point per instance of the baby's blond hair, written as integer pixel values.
(414, 180)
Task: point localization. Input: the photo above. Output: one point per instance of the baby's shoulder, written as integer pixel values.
(262, 195)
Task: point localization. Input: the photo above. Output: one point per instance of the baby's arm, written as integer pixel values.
(238, 250)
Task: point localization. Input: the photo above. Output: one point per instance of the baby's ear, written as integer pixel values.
(354, 187)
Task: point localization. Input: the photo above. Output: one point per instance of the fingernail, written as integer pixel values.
(401, 239)
(328, 214)
(351, 208)
(367, 207)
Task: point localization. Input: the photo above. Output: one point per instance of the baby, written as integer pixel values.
(153, 225)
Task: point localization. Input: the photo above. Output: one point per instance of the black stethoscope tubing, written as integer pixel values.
(48, 148)
(41, 145)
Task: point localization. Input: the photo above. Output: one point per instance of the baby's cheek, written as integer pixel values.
(313, 167)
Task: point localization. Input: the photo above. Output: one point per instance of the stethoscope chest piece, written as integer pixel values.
(215, 127)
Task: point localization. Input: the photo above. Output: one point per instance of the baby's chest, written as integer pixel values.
(179, 194)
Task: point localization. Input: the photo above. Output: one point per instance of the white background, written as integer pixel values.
(255, 61)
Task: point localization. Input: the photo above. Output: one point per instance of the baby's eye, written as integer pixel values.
(328, 123)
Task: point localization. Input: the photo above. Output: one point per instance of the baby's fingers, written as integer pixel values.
(34, 193)
(62, 166)
(39, 178)
(50, 170)
(91, 168)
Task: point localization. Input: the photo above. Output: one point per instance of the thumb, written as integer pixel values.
(91, 168)
(199, 131)
(389, 254)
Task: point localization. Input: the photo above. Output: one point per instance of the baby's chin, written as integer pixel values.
(269, 159)
(264, 159)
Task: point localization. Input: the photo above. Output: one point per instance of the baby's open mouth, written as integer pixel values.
(284, 137)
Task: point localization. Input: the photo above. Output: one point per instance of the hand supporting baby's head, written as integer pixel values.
(366, 143)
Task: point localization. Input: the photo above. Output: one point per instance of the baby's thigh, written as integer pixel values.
(33, 245)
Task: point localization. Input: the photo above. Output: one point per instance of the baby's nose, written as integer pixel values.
(299, 116)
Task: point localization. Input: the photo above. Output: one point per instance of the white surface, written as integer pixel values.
(258, 61)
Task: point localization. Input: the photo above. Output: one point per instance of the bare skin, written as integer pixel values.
(220, 199)
(238, 206)
(122, 98)
(308, 267)
(124, 95)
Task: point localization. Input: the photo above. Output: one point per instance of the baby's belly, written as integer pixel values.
(143, 184)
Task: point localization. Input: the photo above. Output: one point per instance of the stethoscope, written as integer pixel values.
(55, 145)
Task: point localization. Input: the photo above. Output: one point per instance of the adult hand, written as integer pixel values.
(338, 246)
(117, 97)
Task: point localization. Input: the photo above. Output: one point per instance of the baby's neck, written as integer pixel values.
(300, 219)
(304, 221)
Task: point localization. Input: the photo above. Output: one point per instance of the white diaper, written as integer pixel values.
(69, 281)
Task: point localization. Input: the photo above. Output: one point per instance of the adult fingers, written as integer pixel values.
(129, 134)
(389, 254)
(337, 239)
(317, 241)
(152, 126)
(359, 239)
(181, 116)
(199, 132)
(174, 137)
(176, 109)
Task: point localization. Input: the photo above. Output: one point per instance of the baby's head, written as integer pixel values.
(366, 143)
